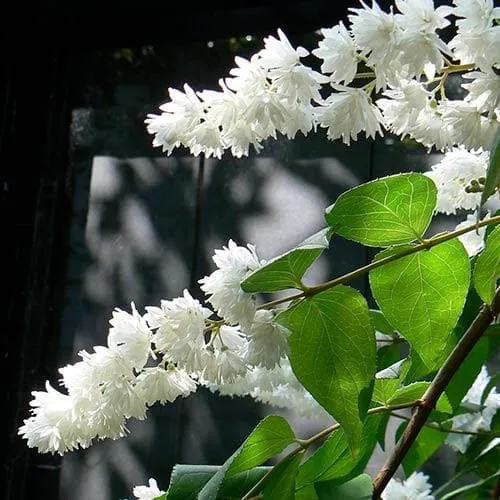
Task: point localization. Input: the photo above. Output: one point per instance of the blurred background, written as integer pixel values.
(95, 217)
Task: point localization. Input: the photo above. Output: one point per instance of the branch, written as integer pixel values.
(425, 245)
(437, 387)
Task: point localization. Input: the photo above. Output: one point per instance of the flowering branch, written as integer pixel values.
(485, 317)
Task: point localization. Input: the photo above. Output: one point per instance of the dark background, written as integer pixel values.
(78, 82)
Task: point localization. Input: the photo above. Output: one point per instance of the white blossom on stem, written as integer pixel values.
(483, 91)
(267, 340)
(223, 288)
(415, 487)
(453, 174)
(477, 40)
(158, 384)
(402, 106)
(339, 54)
(130, 337)
(348, 112)
(467, 125)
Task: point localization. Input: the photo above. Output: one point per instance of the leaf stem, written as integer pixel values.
(437, 387)
(424, 245)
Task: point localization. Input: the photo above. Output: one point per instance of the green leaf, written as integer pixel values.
(286, 271)
(415, 391)
(281, 481)
(465, 376)
(187, 480)
(333, 459)
(427, 443)
(422, 296)
(271, 436)
(493, 173)
(387, 211)
(383, 389)
(381, 324)
(333, 353)
(306, 493)
(359, 488)
(487, 268)
(471, 488)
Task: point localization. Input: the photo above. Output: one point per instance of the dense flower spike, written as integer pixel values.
(274, 92)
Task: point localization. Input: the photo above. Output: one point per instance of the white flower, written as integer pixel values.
(348, 112)
(421, 15)
(130, 337)
(404, 106)
(473, 241)
(223, 285)
(178, 322)
(279, 53)
(467, 125)
(51, 427)
(481, 414)
(163, 384)
(375, 33)
(183, 112)
(267, 340)
(453, 174)
(149, 492)
(416, 487)
(483, 91)
(339, 54)
(477, 41)
(430, 129)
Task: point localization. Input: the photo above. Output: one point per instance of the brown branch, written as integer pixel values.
(437, 387)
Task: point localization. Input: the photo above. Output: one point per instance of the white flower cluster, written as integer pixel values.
(165, 354)
(400, 57)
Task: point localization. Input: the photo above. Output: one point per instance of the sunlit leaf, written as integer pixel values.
(487, 268)
(387, 211)
(333, 353)
(422, 296)
(286, 271)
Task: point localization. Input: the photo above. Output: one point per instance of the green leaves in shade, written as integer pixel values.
(333, 460)
(271, 436)
(286, 271)
(281, 481)
(387, 211)
(333, 354)
(187, 480)
(359, 488)
(493, 173)
(422, 296)
(487, 268)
